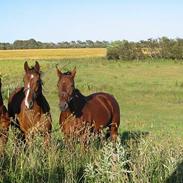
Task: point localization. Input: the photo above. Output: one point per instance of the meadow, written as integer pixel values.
(52, 53)
(149, 149)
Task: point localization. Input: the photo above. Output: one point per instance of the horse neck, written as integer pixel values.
(77, 103)
(1, 99)
(39, 93)
(40, 90)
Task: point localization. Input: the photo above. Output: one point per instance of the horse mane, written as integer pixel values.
(77, 103)
(1, 99)
(14, 105)
(32, 69)
(67, 73)
(77, 93)
(1, 103)
(42, 102)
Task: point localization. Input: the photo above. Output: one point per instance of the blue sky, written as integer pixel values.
(66, 20)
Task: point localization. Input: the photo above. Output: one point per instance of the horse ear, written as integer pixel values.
(59, 73)
(26, 66)
(73, 73)
(37, 66)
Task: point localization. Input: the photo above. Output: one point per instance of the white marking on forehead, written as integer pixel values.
(27, 94)
(28, 91)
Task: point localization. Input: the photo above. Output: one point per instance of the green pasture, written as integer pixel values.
(150, 95)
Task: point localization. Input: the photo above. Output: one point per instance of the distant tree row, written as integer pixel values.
(33, 44)
(151, 48)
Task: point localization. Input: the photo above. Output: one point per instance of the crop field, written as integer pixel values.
(150, 95)
(52, 53)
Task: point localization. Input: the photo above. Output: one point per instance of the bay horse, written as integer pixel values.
(28, 108)
(4, 123)
(99, 110)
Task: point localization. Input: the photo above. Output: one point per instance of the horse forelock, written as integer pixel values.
(33, 70)
(67, 73)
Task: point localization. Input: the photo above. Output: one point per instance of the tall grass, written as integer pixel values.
(137, 160)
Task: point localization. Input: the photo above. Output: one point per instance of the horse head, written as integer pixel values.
(65, 87)
(32, 84)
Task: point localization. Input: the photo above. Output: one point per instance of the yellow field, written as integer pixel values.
(52, 53)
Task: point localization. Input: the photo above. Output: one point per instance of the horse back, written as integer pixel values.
(103, 109)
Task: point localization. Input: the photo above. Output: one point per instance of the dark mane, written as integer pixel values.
(77, 103)
(14, 106)
(32, 69)
(1, 100)
(67, 73)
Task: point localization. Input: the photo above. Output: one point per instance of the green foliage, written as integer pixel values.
(152, 48)
(33, 44)
(109, 166)
(125, 50)
(136, 160)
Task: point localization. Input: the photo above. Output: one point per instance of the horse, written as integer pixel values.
(4, 123)
(98, 110)
(28, 109)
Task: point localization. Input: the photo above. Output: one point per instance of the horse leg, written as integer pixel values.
(114, 127)
(19, 140)
(47, 139)
(114, 131)
(47, 127)
(3, 140)
(115, 121)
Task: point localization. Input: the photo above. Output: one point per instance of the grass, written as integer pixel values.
(52, 53)
(150, 95)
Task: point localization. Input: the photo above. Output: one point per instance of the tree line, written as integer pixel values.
(151, 48)
(124, 50)
(33, 44)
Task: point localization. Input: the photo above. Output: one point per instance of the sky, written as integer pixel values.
(66, 20)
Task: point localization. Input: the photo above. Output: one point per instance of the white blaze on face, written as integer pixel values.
(28, 91)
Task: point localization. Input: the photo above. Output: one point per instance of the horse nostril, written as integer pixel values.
(63, 95)
(63, 106)
(31, 104)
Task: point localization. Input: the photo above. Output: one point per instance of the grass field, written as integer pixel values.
(150, 95)
(52, 53)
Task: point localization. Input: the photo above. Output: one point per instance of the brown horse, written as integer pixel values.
(100, 110)
(28, 108)
(4, 123)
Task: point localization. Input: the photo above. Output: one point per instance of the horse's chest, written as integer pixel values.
(70, 125)
(29, 119)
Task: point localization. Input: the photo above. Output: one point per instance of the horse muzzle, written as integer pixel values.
(63, 106)
(29, 104)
